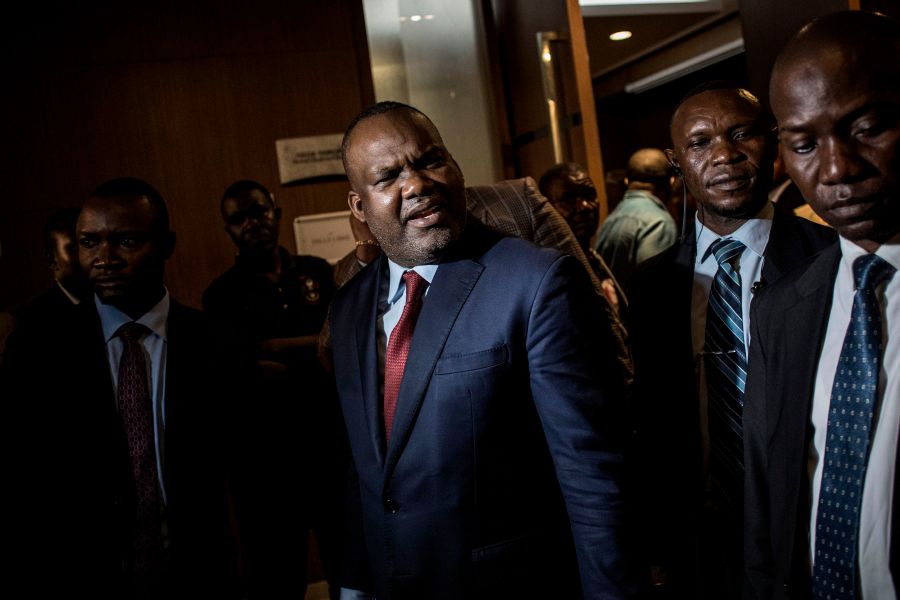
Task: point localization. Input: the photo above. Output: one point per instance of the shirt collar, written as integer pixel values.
(395, 277)
(850, 252)
(155, 319)
(644, 194)
(754, 234)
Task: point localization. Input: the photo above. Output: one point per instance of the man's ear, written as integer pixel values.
(673, 162)
(356, 205)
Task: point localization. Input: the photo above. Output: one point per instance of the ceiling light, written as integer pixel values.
(619, 36)
(415, 18)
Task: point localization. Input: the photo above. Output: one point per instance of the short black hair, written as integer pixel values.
(61, 221)
(379, 108)
(242, 189)
(558, 171)
(716, 85)
(132, 188)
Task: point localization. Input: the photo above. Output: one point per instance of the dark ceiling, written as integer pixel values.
(647, 30)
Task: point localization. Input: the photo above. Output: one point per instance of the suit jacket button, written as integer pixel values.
(391, 506)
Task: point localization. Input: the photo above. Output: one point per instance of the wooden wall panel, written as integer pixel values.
(768, 24)
(190, 100)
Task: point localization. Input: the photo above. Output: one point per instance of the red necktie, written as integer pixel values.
(136, 411)
(398, 346)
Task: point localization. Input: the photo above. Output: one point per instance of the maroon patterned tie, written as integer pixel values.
(398, 346)
(136, 411)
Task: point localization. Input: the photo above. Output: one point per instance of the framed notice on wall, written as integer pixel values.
(327, 235)
(306, 157)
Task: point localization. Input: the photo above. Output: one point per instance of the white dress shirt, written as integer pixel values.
(155, 319)
(878, 487)
(754, 234)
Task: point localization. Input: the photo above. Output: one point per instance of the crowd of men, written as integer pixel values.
(456, 409)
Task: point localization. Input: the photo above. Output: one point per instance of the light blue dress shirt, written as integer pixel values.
(156, 320)
(391, 300)
(754, 234)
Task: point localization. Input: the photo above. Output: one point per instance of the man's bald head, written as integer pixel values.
(849, 37)
(835, 91)
(648, 164)
(649, 169)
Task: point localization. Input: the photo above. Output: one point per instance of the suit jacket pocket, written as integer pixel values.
(457, 363)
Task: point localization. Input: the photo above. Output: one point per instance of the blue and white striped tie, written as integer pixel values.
(726, 372)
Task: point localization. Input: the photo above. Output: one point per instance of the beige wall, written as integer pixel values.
(188, 99)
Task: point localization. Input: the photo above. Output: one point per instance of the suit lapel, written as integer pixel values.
(806, 321)
(448, 292)
(776, 251)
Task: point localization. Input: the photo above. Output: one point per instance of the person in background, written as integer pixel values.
(69, 285)
(273, 304)
(122, 411)
(640, 226)
(571, 191)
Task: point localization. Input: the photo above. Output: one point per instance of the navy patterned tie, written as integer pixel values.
(726, 372)
(136, 412)
(853, 397)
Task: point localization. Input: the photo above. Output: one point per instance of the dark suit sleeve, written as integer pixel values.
(758, 560)
(578, 397)
(355, 570)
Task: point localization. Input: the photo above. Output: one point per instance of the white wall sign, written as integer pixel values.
(305, 157)
(327, 235)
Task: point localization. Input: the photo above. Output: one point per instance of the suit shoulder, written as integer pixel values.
(516, 253)
(351, 289)
(812, 235)
(812, 271)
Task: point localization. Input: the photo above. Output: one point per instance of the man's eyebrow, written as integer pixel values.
(792, 128)
(381, 170)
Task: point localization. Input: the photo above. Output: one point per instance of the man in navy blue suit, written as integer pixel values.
(486, 450)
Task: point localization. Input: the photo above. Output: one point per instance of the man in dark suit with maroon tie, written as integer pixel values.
(120, 414)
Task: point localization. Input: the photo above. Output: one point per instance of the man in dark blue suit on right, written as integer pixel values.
(477, 378)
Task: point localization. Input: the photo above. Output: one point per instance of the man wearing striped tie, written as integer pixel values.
(689, 309)
(822, 412)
